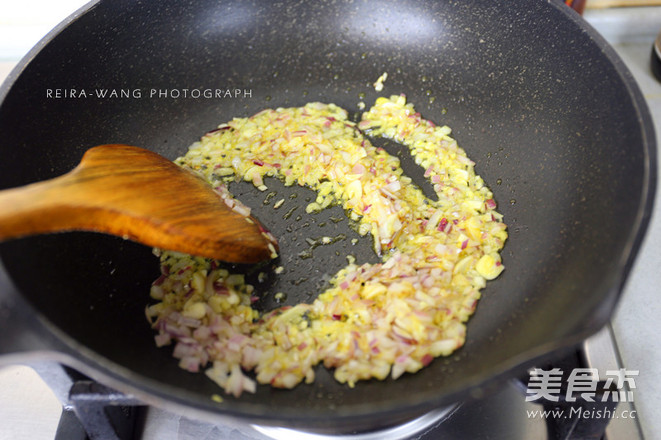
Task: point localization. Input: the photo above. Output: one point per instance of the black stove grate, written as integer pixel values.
(92, 411)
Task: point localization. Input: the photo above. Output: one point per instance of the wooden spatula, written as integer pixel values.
(139, 195)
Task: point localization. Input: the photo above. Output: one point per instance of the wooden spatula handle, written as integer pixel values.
(45, 207)
(138, 195)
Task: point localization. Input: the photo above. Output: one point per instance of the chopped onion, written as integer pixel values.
(375, 320)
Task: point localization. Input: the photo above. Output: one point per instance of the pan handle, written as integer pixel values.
(23, 336)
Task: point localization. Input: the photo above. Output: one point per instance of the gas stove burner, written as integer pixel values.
(92, 410)
(403, 431)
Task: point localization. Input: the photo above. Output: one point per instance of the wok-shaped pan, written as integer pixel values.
(555, 122)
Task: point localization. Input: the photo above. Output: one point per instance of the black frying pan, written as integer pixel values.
(553, 119)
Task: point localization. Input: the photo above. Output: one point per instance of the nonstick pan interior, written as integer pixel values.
(553, 120)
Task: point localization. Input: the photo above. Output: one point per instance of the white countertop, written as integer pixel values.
(34, 410)
(636, 322)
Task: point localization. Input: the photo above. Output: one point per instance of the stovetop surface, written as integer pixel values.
(500, 412)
